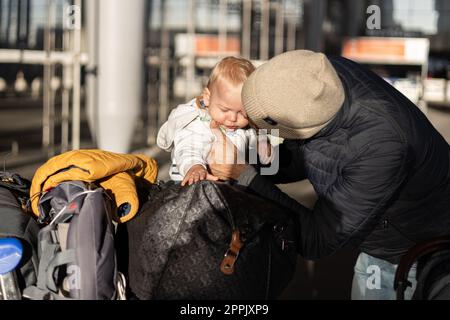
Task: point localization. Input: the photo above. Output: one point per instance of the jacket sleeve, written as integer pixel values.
(353, 204)
(192, 145)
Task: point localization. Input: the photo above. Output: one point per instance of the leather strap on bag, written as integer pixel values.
(230, 257)
(412, 255)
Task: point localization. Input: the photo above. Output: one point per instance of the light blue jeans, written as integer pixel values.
(374, 279)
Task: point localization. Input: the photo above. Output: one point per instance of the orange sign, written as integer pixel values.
(387, 50)
(374, 48)
(210, 45)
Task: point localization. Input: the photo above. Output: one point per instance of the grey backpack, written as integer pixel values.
(77, 258)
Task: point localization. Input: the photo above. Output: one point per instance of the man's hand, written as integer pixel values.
(265, 151)
(223, 158)
(197, 173)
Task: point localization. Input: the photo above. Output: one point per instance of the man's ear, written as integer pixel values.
(206, 96)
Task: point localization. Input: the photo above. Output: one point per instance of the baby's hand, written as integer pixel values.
(197, 173)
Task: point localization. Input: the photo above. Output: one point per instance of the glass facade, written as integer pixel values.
(22, 22)
(207, 13)
(416, 15)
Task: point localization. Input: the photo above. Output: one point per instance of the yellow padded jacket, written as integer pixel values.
(112, 171)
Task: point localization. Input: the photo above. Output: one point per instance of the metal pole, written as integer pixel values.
(291, 34)
(76, 101)
(120, 73)
(152, 110)
(316, 13)
(164, 67)
(65, 112)
(1, 20)
(279, 27)
(423, 75)
(246, 28)
(354, 8)
(264, 37)
(67, 81)
(91, 77)
(223, 8)
(47, 78)
(22, 23)
(190, 68)
(52, 97)
(27, 21)
(8, 23)
(32, 41)
(19, 24)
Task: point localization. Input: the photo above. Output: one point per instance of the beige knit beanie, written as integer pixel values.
(297, 92)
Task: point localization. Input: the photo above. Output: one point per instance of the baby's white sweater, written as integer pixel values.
(189, 138)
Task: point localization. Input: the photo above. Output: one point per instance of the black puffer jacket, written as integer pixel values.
(380, 169)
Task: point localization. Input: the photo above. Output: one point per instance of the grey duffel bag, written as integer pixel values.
(210, 241)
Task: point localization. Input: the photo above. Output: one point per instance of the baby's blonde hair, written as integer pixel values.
(235, 70)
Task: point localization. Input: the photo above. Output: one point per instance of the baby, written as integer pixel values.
(188, 133)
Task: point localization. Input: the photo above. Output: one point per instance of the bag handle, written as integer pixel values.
(414, 253)
(230, 257)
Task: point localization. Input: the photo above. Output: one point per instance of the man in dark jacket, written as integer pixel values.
(380, 169)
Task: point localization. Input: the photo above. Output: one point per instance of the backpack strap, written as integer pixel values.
(50, 258)
(34, 293)
(60, 259)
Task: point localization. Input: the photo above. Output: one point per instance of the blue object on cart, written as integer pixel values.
(11, 251)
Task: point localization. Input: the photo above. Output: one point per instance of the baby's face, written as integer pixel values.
(225, 105)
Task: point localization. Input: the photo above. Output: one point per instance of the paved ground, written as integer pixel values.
(329, 278)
